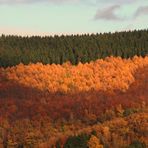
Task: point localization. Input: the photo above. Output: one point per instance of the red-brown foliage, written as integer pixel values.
(32, 113)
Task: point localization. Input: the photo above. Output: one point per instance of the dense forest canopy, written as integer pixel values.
(109, 74)
(74, 48)
(35, 118)
(99, 100)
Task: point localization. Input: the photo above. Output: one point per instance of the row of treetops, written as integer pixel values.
(73, 48)
(109, 74)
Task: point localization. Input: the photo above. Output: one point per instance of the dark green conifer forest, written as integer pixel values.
(73, 48)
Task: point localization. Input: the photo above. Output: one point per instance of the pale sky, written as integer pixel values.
(49, 17)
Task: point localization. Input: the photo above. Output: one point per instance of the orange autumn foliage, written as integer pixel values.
(108, 74)
(94, 142)
(35, 118)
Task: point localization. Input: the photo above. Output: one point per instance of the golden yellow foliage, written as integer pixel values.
(108, 74)
(94, 142)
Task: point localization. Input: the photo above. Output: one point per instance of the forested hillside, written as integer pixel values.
(36, 112)
(78, 91)
(74, 48)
